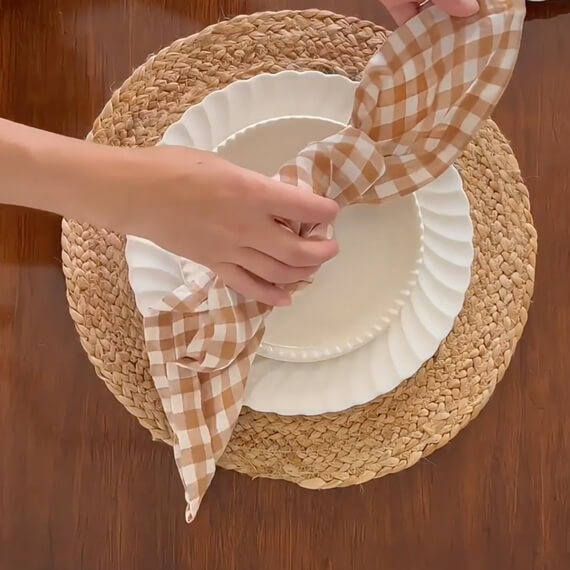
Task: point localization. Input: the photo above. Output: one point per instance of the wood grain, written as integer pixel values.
(81, 484)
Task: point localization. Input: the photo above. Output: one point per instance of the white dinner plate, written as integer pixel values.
(425, 312)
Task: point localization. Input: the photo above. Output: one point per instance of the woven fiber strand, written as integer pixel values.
(340, 449)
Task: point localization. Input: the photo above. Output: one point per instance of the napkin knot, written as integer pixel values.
(341, 167)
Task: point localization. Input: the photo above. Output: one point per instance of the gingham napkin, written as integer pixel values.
(422, 97)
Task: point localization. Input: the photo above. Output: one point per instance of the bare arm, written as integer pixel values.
(66, 176)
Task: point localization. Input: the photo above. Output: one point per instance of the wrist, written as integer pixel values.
(88, 182)
(65, 176)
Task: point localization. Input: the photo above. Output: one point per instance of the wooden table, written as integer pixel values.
(82, 487)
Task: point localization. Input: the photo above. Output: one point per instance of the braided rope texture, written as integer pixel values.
(396, 430)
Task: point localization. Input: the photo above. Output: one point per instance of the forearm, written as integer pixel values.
(66, 176)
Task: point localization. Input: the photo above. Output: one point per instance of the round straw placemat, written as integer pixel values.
(383, 436)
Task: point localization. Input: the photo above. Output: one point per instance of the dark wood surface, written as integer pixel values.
(82, 487)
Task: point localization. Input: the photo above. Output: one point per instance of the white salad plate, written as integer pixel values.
(374, 314)
(352, 298)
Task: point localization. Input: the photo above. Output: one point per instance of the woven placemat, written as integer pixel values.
(369, 441)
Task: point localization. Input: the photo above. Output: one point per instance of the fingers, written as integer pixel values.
(251, 287)
(292, 203)
(403, 12)
(458, 8)
(270, 269)
(293, 250)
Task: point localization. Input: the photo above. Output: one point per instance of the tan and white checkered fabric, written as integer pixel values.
(421, 99)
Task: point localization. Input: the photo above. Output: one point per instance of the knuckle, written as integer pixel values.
(307, 272)
(266, 293)
(294, 256)
(285, 274)
(289, 255)
(310, 252)
(324, 209)
(330, 210)
(276, 275)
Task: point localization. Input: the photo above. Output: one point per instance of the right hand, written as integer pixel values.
(204, 208)
(403, 10)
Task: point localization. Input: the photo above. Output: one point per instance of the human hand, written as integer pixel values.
(190, 202)
(403, 10)
(224, 217)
